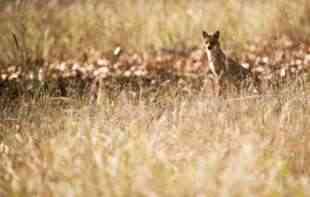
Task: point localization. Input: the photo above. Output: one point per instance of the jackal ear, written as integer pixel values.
(205, 34)
(217, 34)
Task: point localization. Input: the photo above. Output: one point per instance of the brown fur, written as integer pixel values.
(225, 71)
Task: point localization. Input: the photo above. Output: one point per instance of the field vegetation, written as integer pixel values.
(112, 98)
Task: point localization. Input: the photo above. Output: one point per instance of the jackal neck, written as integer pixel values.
(217, 59)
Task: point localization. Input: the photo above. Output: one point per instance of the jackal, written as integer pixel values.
(224, 70)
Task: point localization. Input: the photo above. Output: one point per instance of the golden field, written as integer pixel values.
(155, 129)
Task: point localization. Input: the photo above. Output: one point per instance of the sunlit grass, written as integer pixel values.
(157, 141)
(69, 31)
(177, 146)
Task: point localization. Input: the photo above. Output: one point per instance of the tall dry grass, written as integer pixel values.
(164, 144)
(65, 30)
(175, 146)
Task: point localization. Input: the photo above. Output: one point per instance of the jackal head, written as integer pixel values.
(210, 40)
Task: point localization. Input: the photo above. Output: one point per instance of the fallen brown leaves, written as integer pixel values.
(275, 60)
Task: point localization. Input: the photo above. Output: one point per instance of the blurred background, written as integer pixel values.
(69, 28)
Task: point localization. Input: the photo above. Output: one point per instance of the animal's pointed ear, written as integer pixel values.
(205, 34)
(217, 34)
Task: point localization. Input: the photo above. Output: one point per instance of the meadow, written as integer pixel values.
(152, 126)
